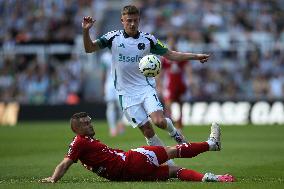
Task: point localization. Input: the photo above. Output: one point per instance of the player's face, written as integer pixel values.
(130, 23)
(86, 127)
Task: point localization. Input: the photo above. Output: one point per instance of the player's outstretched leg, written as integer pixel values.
(193, 149)
(189, 150)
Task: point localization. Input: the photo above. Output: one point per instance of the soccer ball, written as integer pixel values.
(150, 66)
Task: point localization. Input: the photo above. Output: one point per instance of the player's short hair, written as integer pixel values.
(130, 9)
(75, 119)
(79, 115)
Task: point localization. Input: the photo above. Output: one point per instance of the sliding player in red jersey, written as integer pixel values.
(145, 163)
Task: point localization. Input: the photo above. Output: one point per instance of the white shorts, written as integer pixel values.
(137, 109)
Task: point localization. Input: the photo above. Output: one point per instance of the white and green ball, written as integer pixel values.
(150, 66)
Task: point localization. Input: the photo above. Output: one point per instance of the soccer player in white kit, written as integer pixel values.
(113, 109)
(137, 93)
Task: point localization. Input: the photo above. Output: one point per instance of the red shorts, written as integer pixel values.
(144, 164)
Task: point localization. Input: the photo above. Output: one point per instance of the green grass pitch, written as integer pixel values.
(31, 150)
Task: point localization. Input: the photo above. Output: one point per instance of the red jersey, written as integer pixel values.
(174, 70)
(96, 156)
(114, 164)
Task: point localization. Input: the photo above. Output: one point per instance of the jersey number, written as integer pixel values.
(155, 97)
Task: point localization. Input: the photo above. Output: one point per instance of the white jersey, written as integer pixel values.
(126, 54)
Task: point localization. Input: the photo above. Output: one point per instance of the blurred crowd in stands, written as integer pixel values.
(37, 21)
(31, 82)
(244, 37)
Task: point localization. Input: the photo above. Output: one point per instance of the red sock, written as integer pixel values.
(189, 150)
(189, 175)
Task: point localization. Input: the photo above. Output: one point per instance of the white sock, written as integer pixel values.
(154, 141)
(211, 144)
(170, 127)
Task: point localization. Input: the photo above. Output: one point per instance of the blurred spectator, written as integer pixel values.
(173, 81)
(114, 112)
(7, 82)
(276, 86)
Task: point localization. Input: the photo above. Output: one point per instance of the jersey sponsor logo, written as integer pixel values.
(141, 46)
(121, 45)
(123, 58)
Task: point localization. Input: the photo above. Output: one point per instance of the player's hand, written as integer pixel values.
(47, 180)
(203, 57)
(88, 22)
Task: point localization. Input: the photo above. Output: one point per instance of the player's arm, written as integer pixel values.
(59, 171)
(89, 45)
(181, 56)
(157, 47)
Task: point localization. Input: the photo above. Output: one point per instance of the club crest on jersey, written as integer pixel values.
(141, 46)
